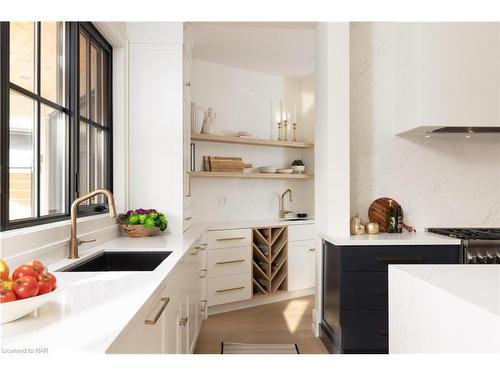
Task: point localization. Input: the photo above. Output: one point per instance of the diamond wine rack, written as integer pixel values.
(270, 260)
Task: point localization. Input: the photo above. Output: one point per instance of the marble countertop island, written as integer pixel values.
(444, 308)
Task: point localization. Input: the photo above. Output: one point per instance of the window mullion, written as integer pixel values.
(38, 59)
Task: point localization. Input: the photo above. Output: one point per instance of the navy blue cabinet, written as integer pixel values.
(355, 296)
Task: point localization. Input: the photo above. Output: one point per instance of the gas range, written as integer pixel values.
(480, 245)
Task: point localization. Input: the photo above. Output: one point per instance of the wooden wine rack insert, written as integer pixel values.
(270, 260)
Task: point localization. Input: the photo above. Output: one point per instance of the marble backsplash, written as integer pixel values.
(439, 181)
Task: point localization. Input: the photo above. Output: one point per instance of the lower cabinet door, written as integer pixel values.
(149, 333)
(301, 265)
(170, 328)
(183, 325)
(365, 332)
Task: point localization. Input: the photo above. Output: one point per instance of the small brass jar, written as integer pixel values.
(371, 228)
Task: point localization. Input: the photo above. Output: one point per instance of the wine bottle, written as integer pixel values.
(399, 219)
(391, 218)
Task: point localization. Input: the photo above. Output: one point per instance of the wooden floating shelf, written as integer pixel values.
(248, 141)
(253, 175)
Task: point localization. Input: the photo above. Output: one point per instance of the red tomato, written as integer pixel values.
(6, 295)
(48, 278)
(25, 287)
(24, 270)
(44, 287)
(37, 265)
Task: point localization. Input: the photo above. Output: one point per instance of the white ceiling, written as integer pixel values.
(278, 48)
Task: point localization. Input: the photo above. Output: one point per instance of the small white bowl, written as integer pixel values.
(285, 171)
(10, 311)
(268, 169)
(299, 168)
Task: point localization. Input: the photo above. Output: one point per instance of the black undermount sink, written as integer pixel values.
(109, 261)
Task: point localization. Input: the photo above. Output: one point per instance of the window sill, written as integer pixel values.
(44, 227)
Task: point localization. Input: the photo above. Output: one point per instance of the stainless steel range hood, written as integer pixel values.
(452, 130)
(464, 130)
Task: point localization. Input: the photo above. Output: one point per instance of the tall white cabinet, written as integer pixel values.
(159, 120)
(186, 140)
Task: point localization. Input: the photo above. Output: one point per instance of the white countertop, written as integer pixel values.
(438, 308)
(94, 307)
(405, 238)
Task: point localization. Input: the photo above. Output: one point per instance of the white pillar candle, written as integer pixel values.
(281, 110)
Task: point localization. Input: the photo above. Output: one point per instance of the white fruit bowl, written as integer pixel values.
(10, 311)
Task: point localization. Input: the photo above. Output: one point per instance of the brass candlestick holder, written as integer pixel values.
(279, 131)
(294, 132)
(286, 130)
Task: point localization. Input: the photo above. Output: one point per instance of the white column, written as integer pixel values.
(331, 135)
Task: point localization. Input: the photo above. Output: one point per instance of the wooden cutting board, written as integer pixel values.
(227, 164)
(377, 213)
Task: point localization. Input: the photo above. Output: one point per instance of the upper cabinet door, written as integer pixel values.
(447, 74)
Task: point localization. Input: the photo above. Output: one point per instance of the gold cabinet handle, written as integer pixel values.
(231, 261)
(188, 218)
(188, 83)
(204, 307)
(230, 239)
(312, 249)
(155, 318)
(203, 274)
(196, 250)
(183, 322)
(230, 289)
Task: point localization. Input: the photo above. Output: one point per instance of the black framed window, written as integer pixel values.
(55, 120)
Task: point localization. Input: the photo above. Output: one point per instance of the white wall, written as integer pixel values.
(245, 100)
(439, 181)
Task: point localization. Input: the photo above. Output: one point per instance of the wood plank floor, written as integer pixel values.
(287, 322)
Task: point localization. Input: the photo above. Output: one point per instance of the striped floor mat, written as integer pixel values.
(240, 348)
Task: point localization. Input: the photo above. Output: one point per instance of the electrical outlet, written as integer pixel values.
(221, 200)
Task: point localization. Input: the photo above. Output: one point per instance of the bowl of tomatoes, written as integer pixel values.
(28, 288)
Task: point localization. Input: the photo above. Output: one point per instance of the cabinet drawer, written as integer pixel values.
(365, 331)
(228, 289)
(377, 258)
(231, 261)
(300, 232)
(364, 291)
(222, 239)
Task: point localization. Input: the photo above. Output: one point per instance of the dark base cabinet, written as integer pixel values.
(355, 292)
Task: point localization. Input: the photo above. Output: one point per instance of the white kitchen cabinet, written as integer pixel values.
(159, 122)
(172, 321)
(229, 266)
(447, 75)
(194, 295)
(301, 265)
(183, 325)
(186, 105)
(150, 334)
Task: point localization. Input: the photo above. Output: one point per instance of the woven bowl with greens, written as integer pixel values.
(143, 223)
